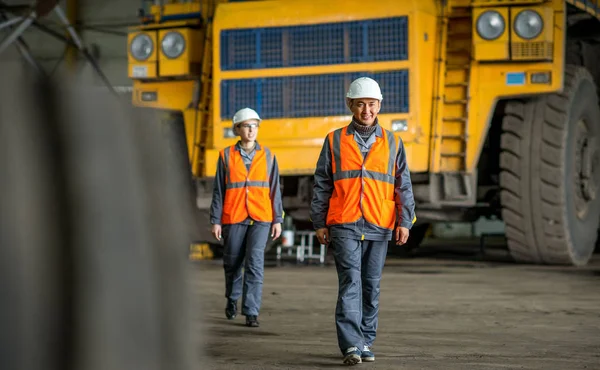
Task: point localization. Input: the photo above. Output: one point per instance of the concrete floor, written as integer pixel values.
(435, 314)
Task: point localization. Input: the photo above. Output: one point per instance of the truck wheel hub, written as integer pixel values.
(587, 163)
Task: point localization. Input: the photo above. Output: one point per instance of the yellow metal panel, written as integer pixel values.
(459, 3)
(449, 164)
(289, 130)
(175, 8)
(162, 25)
(174, 95)
(438, 66)
(312, 130)
(456, 76)
(451, 146)
(212, 155)
(175, 67)
(315, 70)
(496, 49)
(492, 50)
(453, 129)
(192, 133)
(488, 3)
(455, 93)
(294, 161)
(417, 155)
(281, 13)
(189, 61)
(142, 69)
(532, 50)
(277, 13)
(297, 142)
(139, 70)
(488, 85)
(539, 47)
(454, 110)
(423, 38)
(302, 134)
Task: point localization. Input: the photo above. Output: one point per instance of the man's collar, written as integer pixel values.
(378, 129)
(238, 145)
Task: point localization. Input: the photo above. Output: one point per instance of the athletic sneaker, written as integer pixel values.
(367, 355)
(352, 356)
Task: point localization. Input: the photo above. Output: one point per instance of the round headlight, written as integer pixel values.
(173, 44)
(141, 47)
(528, 24)
(490, 25)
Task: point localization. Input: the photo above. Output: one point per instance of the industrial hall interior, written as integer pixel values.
(299, 184)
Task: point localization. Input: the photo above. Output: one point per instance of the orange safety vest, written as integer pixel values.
(247, 193)
(362, 187)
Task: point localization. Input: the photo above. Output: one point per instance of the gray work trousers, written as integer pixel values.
(245, 242)
(359, 265)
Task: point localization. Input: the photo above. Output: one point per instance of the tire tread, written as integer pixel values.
(532, 174)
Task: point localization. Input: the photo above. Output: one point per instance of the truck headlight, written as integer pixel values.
(490, 25)
(528, 24)
(141, 47)
(173, 44)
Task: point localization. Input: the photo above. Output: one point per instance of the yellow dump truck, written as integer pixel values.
(496, 101)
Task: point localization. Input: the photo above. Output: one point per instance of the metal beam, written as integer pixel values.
(17, 31)
(63, 18)
(74, 40)
(72, 16)
(24, 50)
(10, 22)
(21, 45)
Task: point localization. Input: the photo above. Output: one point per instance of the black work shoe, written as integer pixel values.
(252, 321)
(231, 309)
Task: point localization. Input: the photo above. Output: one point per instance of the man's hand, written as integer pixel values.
(275, 231)
(216, 231)
(323, 235)
(401, 235)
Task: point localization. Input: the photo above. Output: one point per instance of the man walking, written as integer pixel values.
(246, 204)
(362, 191)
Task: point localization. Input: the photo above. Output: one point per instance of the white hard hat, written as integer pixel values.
(364, 87)
(245, 114)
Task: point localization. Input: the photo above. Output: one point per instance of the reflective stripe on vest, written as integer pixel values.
(362, 187)
(247, 192)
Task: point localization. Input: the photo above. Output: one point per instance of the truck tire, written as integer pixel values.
(585, 54)
(550, 173)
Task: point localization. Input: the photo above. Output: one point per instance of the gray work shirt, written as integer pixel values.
(216, 208)
(361, 229)
(248, 157)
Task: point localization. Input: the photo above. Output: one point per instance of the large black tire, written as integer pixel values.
(585, 54)
(551, 206)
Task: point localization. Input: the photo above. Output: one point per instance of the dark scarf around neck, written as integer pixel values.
(364, 131)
